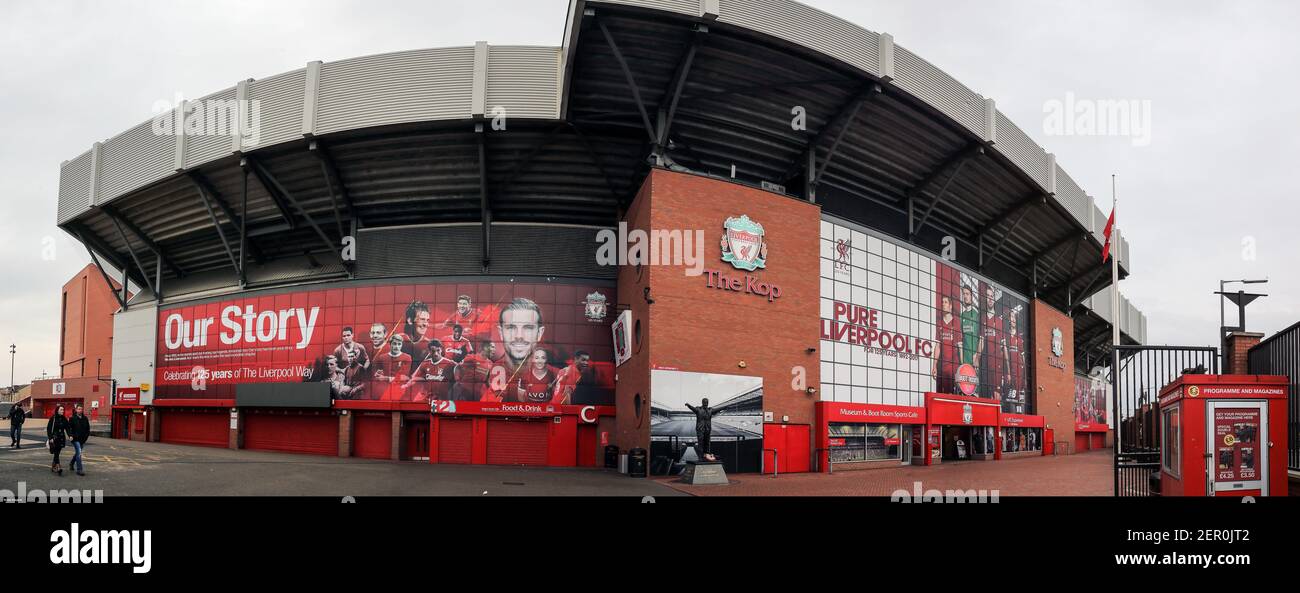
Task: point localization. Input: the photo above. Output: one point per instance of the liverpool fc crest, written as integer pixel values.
(596, 306)
(742, 244)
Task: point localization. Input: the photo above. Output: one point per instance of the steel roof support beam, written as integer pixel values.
(1056, 261)
(595, 157)
(842, 119)
(266, 177)
(119, 218)
(1074, 257)
(1097, 334)
(1025, 207)
(522, 164)
(270, 185)
(143, 273)
(236, 220)
(859, 101)
(1086, 292)
(332, 179)
(212, 215)
(631, 81)
(956, 163)
(675, 91)
(85, 242)
(485, 204)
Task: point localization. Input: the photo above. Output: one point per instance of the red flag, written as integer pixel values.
(1110, 226)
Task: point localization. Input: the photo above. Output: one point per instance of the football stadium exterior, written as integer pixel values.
(525, 255)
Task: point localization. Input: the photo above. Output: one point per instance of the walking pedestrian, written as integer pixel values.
(17, 415)
(80, 433)
(56, 431)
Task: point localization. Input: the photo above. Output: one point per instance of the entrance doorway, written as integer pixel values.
(966, 443)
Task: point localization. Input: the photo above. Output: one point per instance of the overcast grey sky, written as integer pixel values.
(1220, 77)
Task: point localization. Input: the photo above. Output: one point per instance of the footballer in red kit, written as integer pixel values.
(573, 384)
(457, 345)
(417, 326)
(521, 329)
(948, 330)
(1016, 356)
(433, 377)
(349, 352)
(466, 316)
(390, 371)
(472, 375)
(993, 346)
(536, 384)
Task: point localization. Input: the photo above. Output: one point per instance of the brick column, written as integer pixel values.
(345, 433)
(1235, 348)
(395, 448)
(237, 431)
(155, 425)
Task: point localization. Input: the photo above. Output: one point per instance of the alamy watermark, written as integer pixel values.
(37, 495)
(657, 247)
(1099, 117)
(919, 494)
(209, 117)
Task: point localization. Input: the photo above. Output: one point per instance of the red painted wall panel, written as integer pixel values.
(372, 435)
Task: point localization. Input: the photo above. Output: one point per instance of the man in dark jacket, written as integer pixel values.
(16, 418)
(80, 434)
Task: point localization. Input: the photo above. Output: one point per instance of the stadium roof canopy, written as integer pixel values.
(490, 136)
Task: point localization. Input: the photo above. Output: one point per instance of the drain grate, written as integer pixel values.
(512, 483)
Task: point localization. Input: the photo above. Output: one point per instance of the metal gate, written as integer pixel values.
(1143, 371)
(1280, 355)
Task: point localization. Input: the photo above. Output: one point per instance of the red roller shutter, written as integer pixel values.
(1098, 440)
(193, 427)
(297, 433)
(372, 435)
(455, 440)
(516, 442)
(1080, 442)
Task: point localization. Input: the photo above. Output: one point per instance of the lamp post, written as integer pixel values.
(13, 350)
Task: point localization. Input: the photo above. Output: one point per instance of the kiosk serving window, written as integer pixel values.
(864, 442)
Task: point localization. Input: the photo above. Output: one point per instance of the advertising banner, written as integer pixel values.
(1090, 404)
(1236, 444)
(499, 342)
(897, 323)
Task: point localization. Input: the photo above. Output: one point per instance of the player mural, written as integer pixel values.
(506, 342)
(1090, 401)
(897, 323)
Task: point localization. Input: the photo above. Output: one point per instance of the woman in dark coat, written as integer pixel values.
(57, 430)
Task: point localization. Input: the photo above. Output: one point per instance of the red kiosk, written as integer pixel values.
(1224, 435)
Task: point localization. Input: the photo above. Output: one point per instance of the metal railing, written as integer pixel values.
(1280, 355)
(1138, 373)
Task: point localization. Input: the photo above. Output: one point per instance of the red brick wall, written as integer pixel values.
(1053, 386)
(1235, 354)
(86, 329)
(695, 328)
(632, 423)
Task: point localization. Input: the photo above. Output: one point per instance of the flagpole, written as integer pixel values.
(1114, 268)
(1114, 328)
